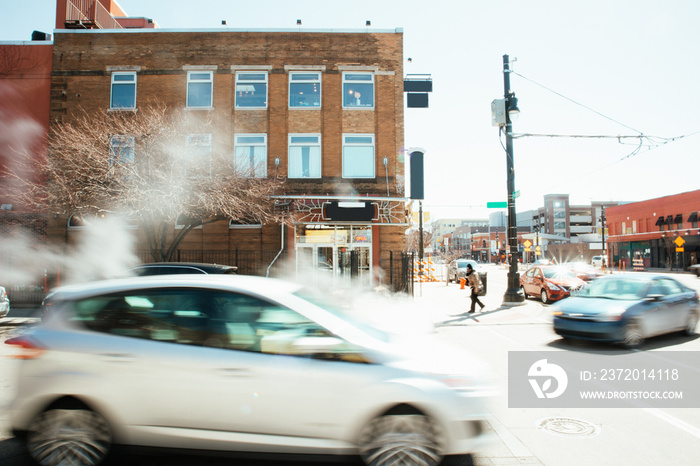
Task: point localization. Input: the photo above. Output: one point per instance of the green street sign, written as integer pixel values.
(516, 194)
(496, 205)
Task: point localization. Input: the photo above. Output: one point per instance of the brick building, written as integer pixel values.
(663, 232)
(323, 109)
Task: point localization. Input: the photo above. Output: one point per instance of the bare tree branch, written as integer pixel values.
(144, 164)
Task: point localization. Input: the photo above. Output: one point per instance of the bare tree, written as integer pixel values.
(413, 238)
(156, 166)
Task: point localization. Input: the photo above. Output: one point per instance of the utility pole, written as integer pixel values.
(513, 293)
(602, 230)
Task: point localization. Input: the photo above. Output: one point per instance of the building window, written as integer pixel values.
(250, 152)
(200, 85)
(251, 89)
(358, 156)
(693, 219)
(198, 156)
(304, 89)
(358, 90)
(305, 156)
(123, 90)
(678, 220)
(121, 149)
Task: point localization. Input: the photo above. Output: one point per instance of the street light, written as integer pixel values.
(510, 104)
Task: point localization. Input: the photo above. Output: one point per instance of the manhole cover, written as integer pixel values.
(568, 427)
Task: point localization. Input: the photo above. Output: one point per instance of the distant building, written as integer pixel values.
(663, 232)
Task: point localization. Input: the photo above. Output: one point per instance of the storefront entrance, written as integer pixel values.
(334, 254)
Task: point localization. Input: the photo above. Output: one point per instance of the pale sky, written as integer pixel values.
(597, 68)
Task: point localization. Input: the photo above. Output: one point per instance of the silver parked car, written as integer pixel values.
(236, 363)
(458, 269)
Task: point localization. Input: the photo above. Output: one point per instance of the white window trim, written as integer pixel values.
(250, 226)
(374, 89)
(320, 85)
(264, 144)
(267, 88)
(187, 89)
(320, 146)
(374, 154)
(180, 226)
(112, 84)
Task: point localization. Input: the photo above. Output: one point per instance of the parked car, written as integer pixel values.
(627, 309)
(173, 268)
(458, 269)
(585, 272)
(4, 302)
(599, 261)
(695, 269)
(236, 363)
(543, 262)
(549, 282)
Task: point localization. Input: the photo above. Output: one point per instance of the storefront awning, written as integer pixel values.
(669, 220)
(678, 219)
(693, 217)
(660, 221)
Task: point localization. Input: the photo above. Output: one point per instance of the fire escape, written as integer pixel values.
(89, 14)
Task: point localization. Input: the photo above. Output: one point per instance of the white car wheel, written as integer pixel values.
(69, 436)
(543, 296)
(405, 439)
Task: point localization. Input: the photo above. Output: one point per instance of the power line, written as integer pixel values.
(575, 102)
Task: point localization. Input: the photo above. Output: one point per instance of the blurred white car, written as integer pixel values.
(599, 261)
(236, 363)
(4, 302)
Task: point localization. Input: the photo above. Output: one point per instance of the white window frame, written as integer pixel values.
(209, 80)
(203, 141)
(317, 81)
(114, 83)
(180, 226)
(121, 142)
(347, 82)
(315, 174)
(250, 82)
(350, 144)
(254, 169)
(241, 226)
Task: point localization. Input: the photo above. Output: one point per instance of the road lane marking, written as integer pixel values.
(674, 421)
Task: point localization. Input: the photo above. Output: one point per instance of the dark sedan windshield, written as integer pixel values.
(616, 288)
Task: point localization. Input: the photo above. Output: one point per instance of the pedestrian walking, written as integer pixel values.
(475, 284)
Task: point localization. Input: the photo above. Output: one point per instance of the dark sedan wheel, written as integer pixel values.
(544, 296)
(691, 324)
(632, 335)
(78, 437)
(401, 439)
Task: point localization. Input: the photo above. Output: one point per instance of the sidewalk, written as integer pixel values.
(449, 306)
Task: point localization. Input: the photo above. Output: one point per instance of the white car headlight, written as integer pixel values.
(552, 286)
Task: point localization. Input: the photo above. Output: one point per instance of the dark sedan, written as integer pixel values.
(627, 309)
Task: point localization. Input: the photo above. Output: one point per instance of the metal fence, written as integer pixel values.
(401, 271)
(248, 262)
